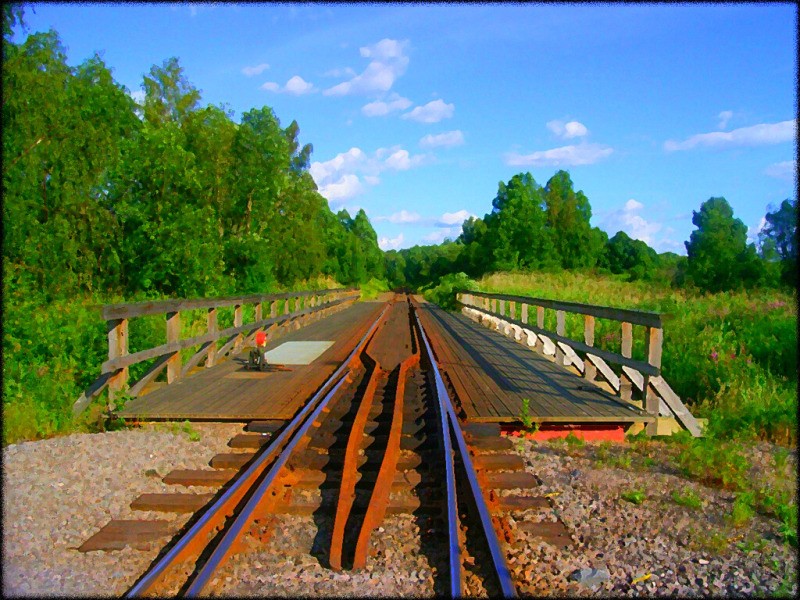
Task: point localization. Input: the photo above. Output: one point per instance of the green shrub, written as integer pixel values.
(444, 293)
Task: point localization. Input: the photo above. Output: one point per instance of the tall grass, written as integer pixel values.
(732, 357)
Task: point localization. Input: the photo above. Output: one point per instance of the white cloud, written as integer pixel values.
(565, 156)
(454, 219)
(354, 163)
(432, 112)
(627, 220)
(347, 186)
(724, 117)
(296, 86)
(388, 63)
(386, 243)
(402, 161)
(403, 216)
(346, 72)
(255, 70)
(380, 108)
(438, 236)
(447, 139)
(632, 205)
(783, 170)
(755, 135)
(568, 130)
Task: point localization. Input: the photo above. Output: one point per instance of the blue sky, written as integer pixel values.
(416, 112)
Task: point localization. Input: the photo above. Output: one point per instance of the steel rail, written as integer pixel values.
(379, 500)
(347, 486)
(500, 567)
(233, 495)
(223, 549)
(454, 544)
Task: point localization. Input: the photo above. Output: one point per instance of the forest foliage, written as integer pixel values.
(108, 199)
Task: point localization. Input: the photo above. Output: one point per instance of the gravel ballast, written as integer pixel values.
(59, 492)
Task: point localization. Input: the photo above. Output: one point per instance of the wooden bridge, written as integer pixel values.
(502, 367)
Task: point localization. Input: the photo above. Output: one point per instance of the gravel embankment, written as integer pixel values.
(59, 492)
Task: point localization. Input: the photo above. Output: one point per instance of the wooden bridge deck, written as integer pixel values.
(228, 391)
(492, 374)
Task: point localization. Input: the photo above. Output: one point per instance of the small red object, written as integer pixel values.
(261, 338)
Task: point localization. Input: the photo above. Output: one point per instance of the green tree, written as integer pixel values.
(169, 97)
(577, 244)
(778, 240)
(625, 255)
(718, 255)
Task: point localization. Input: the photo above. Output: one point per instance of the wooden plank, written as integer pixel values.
(638, 317)
(171, 502)
(119, 533)
(677, 407)
(580, 346)
(128, 310)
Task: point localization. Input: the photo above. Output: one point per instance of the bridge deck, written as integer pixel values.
(492, 374)
(228, 391)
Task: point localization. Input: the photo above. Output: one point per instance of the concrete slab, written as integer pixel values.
(297, 353)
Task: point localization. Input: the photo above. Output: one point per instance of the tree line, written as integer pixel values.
(104, 195)
(547, 228)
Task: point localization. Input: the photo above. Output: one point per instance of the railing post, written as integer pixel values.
(237, 322)
(117, 347)
(627, 346)
(494, 305)
(273, 309)
(512, 309)
(174, 336)
(540, 317)
(589, 371)
(524, 316)
(211, 352)
(653, 341)
(502, 307)
(560, 330)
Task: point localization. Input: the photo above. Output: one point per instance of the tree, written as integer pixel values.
(577, 244)
(719, 257)
(778, 240)
(625, 255)
(169, 97)
(517, 229)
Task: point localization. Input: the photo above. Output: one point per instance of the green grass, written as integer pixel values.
(634, 496)
(731, 357)
(687, 498)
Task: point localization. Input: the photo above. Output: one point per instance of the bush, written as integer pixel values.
(444, 293)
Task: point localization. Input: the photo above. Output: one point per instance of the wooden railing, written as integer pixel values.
(500, 311)
(215, 343)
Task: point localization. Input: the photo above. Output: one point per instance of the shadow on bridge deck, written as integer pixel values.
(492, 374)
(228, 391)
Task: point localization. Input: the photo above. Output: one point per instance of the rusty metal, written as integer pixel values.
(347, 487)
(379, 500)
(197, 537)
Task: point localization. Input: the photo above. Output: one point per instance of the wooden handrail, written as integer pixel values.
(645, 375)
(637, 317)
(114, 371)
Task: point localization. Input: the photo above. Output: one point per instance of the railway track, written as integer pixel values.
(380, 437)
